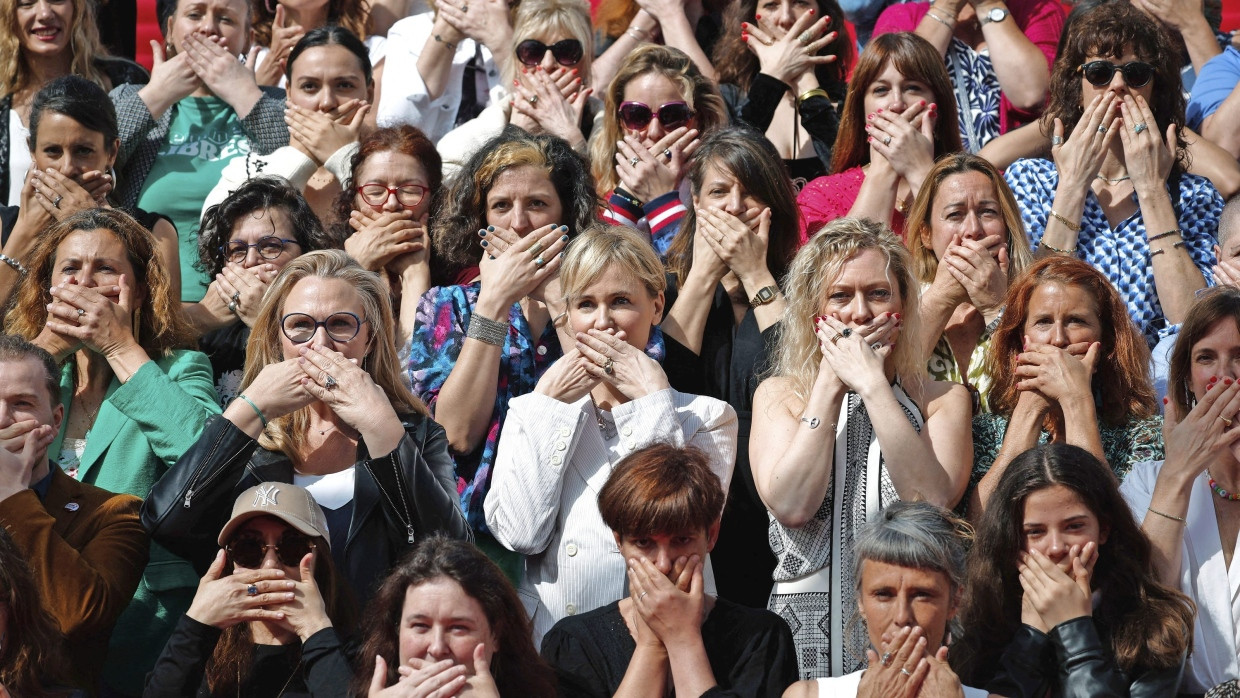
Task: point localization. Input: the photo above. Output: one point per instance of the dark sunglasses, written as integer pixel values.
(1099, 73)
(248, 550)
(636, 115)
(566, 52)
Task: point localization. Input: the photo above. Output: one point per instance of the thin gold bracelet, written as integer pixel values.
(1074, 227)
(1152, 510)
(1056, 249)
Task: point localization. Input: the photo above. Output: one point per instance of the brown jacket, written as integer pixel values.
(87, 549)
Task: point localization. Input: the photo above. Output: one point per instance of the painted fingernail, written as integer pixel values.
(484, 243)
(482, 233)
(564, 238)
(1227, 381)
(1166, 400)
(1213, 378)
(757, 16)
(490, 229)
(564, 228)
(811, 12)
(897, 316)
(744, 25)
(869, 139)
(880, 111)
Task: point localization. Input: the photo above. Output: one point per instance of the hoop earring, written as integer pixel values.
(267, 4)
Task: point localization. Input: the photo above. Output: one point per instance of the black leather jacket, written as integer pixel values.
(1072, 662)
(398, 498)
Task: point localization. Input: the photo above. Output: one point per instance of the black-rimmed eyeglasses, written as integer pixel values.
(341, 327)
(269, 248)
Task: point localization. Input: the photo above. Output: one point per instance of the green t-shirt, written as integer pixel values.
(205, 134)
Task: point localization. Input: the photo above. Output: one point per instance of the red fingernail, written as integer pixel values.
(897, 316)
(744, 25)
(811, 12)
(757, 16)
(744, 36)
(1213, 378)
(515, 83)
(880, 111)
(1227, 381)
(1166, 400)
(869, 139)
(923, 102)
(934, 107)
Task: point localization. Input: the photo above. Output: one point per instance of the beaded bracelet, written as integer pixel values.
(1152, 510)
(1160, 236)
(449, 44)
(1056, 249)
(484, 329)
(17, 266)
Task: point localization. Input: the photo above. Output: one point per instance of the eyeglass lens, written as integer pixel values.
(300, 327)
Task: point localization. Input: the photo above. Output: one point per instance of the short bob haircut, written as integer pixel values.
(917, 60)
(606, 247)
(749, 157)
(33, 651)
(1110, 30)
(1123, 372)
(398, 139)
(661, 489)
(1215, 305)
(81, 100)
(161, 327)
(917, 535)
(516, 666)
(813, 270)
(920, 225)
(701, 94)
(331, 35)
(1149, 626)
(454, 231)
(254, 198)
(288, 433)
(545, 18)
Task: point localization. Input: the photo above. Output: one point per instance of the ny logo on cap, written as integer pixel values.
(265, 496)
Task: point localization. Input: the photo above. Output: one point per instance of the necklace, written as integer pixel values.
(1117, 180)
(1216, 489)
(607, 428)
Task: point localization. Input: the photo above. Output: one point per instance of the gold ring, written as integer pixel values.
(836, 339)
(1226, 421)
(536, 248)
(805, 38)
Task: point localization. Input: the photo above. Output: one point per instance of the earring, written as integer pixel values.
(267, 4)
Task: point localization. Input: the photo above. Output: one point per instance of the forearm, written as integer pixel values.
(691, 672)
(1024, 142)
(877, 197)
(1220, 127)
(604, 68)
(1020, 66)
(1170, 499)
(1200, 42)
(914, 468)
(1176, 278)
(467, 398)
(1023, 431)
(1080, 417)
(415, 280)
(935, 311)
(435, 61)
(792, 480)
(938, 26)
(686, 320)
(646, 675)
(157, 101)
(678, 33)
(201, 319)
(1069, 203)
(770, 313)
(126, 360)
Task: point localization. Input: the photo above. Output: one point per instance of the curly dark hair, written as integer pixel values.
(1111, 29)
(1148, 626)
(737, 65)
(515, 664)
(454, 228)
(254, 198)
(32, 654)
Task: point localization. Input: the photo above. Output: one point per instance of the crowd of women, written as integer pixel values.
(654, 347)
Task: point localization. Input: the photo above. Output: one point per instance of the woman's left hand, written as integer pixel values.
(544, 101)
(242, 289)
(906, 140)
(306, 613)
(346, 388)
(795, 53)
(626, 367)
(740, 246)
(981, 268)
(85, 314)
(902, 669)
(941, 681)
(1059, 596)
(1147, 155)
(859, 355)
(61, 196)
(1059, 374)
(482, 683)
(319, 135)
(381, 237)
(222, 73)
(651, 172)
(671, 611)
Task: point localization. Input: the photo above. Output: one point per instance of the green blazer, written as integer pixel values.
(141, 430)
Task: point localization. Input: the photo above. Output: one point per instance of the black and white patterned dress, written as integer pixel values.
(815, 592)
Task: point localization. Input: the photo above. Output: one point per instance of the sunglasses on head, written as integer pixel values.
(636, 115)
(1099, 73)
(248, 550)
(566, 52)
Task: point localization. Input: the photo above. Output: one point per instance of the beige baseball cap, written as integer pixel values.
(291, 504)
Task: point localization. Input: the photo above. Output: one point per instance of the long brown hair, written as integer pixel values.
(1123, 372)
(1214, 305)
(1148, 626)
(30, 652)
(515, 664)
(737, 65)
(160, 328)
(917, 60)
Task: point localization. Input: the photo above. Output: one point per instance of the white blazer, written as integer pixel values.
(551, 463)
(1203, 577)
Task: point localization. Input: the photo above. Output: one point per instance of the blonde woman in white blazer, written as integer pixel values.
(603, 400)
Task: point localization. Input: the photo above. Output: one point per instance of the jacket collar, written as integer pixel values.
(108, 423)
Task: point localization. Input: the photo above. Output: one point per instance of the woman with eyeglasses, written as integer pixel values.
(658, 106)
(323, 407)
(270, 612)
(1116, 193)
(246, 240)
(381, 217)
(554, 46)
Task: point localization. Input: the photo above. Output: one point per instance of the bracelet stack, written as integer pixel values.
(1154, 252)
(808, 94)
(486, 330)
(950, 24)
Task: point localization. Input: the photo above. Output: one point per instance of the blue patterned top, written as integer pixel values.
(973, 76)
(439, 331)
(1122, 253)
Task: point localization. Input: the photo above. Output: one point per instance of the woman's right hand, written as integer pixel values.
(379, 238)
(277, 389)
(61, 196)
(1057, 595)
(632, 372)
(509, 271)
(1199, 439)
(905, 140)
(788, 58)
(319, 135)
(484, 21)
(244, 288)
(284, 37)
(1058, 374)
(655, 173)
(172, 79)
(859, 359)
(567, 380)
(421, 679)
(740, 247)
(1079, 158)
(903, 671)
(222, 600)
(558, 102)
(980, 267)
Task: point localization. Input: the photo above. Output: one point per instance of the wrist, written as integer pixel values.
(756, 279)
(493, 306)
(313, 627)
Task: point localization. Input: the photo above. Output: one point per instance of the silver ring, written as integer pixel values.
(232, 306)
(329, 382)
(534, 100)
(1056, 140)
(81, 312)
(876, 346)
(805, 38)
(57, 200)
(252, 590)
(634, 160)
(886, 659)
(1102, 129)
(887, 140)
(643, 595)
(668, 154)
(1139, 128)
(846, 332)
(609, 366)
(539, 261)
(905, 671)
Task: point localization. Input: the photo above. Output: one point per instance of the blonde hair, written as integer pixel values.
(605, 247)
(84, 45)
(699, 93)
(811, 274)
(544, 17)
(288, 433)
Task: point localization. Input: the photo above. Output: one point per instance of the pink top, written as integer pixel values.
(1040, 20)
(830, 197)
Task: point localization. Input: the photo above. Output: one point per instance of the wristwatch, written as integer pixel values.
(996, 14)
(765, 295)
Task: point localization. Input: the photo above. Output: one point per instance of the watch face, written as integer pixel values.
(996, 15)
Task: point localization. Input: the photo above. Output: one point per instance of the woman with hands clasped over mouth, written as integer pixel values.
(1064, 597)
(1116, 194)
(910, 571)
(845, 425)
(898, 117)
(264, 619)
(201, 109)
(1187, 503)
(1065, 364)
(657, 106)
(968, 244)
(606, 397)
